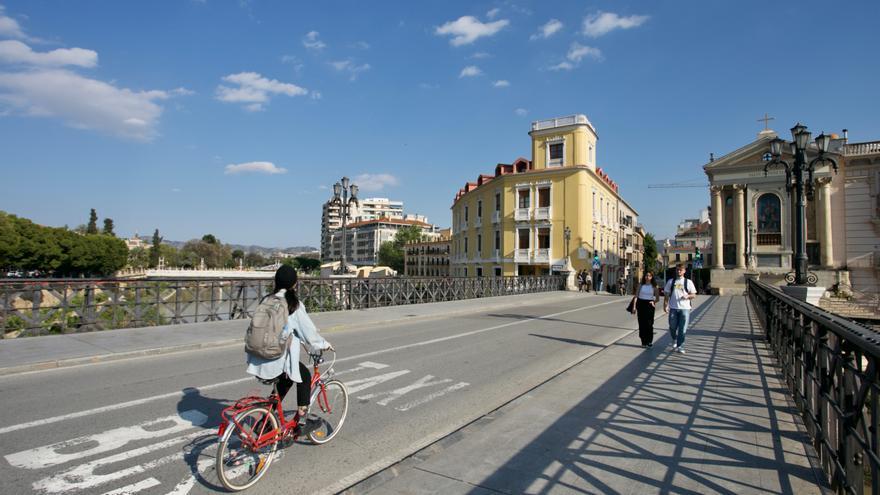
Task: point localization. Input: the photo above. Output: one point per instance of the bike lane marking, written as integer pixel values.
(135, 487)
(66, 451)
(137, 402)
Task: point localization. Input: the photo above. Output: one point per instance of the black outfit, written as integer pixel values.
(645, 314)
(303, 388)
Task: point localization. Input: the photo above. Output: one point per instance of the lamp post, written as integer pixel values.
(751, 254)
(344, 194)
(566, 234)
(794, 172)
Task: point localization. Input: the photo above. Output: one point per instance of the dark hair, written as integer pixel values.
(679, 265)
(653, 279)
(289, 295)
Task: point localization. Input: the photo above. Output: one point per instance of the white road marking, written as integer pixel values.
(189, 481)
(84, 475)
(113, 407)
(362, 366)
(61, 452)
(355, 386)
(400, 392)
(429, 398)
(135, 487)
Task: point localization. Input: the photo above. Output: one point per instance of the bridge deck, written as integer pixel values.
(716, 420)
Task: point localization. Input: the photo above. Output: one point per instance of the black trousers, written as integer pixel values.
(645, 314)
(303, 388)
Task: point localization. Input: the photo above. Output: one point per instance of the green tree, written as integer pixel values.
(650, 253)
(255, 260)
(108, 227)
(215, 254)
(391, 252)
(308, 264)
(155, 249)
(210, 239)
(139, 257)
(92, 228)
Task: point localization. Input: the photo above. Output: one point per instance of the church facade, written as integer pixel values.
(753, 228)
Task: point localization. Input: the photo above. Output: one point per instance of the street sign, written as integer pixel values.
(596, 265)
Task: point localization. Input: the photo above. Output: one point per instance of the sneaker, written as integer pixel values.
(309, 424)
(681, 350)
(674, 347)
(650, 344)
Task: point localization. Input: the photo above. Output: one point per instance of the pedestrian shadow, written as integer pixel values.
(713, 421)
(514, 316)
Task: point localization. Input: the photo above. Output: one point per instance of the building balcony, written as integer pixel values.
(542, 213)
(521, 214)
(496, 216)
(497, 256)
(478, 222)
(560, 122)
(521, 255)
(463, 226)
(542, 255)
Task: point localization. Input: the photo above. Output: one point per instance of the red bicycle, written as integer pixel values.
(252, 428)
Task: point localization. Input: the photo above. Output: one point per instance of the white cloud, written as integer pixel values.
(316, 95)
(562, 66)
(576, 53)
(254, 167)
(493, 13)
(16, 52)
(311, 41)
(480, 55)
(350, 67)
(293, 60)
(361, 45)
(522, 112)
(470, 71)
(552, 27)
(501, 83)
(375, 182)
(9, 27)
(83, 103)
(602, 23)
(467, 29)
(254, 90)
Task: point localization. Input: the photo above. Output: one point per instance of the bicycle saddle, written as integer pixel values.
(268, 381)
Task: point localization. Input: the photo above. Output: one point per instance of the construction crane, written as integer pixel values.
(675, 184)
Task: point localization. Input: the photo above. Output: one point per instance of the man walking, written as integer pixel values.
(677, 296)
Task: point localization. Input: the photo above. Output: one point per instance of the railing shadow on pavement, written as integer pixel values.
(715, 420)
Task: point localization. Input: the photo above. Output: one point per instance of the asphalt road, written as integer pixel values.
(148, 425)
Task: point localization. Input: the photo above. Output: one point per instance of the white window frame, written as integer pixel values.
(557, 162)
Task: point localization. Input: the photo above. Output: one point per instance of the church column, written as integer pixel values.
(739, 224)
(717, 228)
(826, 238)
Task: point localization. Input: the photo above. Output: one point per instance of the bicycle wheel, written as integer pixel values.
(331, 406)
(239, 466)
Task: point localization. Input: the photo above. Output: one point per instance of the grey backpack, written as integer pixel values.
(263, 338)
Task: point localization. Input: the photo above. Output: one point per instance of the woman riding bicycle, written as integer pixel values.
(287, 368)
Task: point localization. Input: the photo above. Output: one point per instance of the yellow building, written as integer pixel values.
(514, 222)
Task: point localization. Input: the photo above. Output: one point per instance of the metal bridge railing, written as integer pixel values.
(39, 307)
(830, 366)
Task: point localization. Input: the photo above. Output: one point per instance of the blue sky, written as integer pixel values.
(235, 117)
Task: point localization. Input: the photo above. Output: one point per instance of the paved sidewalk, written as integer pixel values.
(628, 420)
(53, 351)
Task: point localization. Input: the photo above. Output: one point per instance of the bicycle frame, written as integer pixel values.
(265, 438)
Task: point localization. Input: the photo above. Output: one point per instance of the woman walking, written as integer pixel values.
(645, 302)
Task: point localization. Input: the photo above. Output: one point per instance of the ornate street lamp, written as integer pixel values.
(803, 190)
(344, 194)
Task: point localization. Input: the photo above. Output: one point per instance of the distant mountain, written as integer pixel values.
(255, 249)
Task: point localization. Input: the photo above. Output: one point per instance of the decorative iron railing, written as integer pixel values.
(830, 366)
(38, 307)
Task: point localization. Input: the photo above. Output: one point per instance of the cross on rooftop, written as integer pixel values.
(766, 119)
